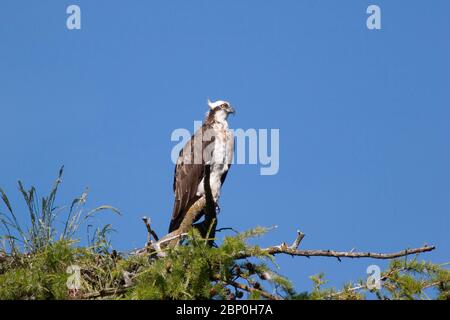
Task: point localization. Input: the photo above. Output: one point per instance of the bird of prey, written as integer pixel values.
(213, 145)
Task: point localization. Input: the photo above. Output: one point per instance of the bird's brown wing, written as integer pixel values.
(189, 172)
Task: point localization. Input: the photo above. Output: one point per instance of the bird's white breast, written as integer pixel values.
(220, 160)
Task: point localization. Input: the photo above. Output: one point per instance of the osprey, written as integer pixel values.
(212, 145)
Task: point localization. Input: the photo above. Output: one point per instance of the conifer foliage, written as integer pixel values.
(39, 260)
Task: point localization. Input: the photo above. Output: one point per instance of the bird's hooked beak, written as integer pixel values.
(231, 110)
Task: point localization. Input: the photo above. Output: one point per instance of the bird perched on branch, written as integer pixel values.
(213, 145)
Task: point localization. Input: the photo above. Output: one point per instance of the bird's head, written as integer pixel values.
(219, 110)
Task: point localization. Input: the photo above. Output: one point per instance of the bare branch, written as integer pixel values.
(150, 231)
(293, 251)
(227, 228)
(159, 245)
(300, 236)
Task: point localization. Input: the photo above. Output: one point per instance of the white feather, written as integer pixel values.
(222, 156)
(214, 104)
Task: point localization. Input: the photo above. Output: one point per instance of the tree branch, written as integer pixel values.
(360, 287)
(149, 230)
(293, 251)
(250, 289)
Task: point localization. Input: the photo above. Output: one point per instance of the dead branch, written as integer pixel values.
(150, 231)
(293, 251)
(174, 237)
(159, 245)
(296, 243)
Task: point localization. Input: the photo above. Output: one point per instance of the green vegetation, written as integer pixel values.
(40, 262)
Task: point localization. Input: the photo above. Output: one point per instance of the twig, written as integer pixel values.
(432, 284)
(159, 245)
(150, 231)
(250, 289)
(170, 237)
(227, 228)
(300, 236)
(364, 286)
(244, 287)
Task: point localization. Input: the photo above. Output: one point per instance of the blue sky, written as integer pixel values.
(363, 115)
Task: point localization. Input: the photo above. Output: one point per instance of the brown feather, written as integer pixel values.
(188, 175)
